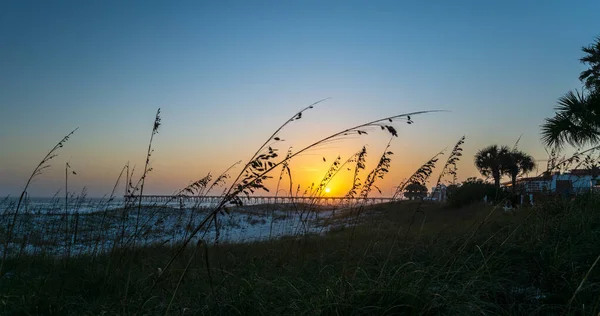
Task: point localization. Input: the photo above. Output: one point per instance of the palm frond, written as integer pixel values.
(576, 122)
(591, 76)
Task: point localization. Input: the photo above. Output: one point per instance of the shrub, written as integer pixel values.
(415, 190)
(473, 190)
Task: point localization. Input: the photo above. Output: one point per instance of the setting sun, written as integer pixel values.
(327, 190)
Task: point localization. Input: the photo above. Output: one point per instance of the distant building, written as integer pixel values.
(534, 184)
(575, 181)
(439, 193)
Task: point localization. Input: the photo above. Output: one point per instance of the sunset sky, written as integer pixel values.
(226, 74)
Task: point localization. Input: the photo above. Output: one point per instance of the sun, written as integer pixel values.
(327, 190)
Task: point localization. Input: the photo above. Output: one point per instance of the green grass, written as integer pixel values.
(407, 259)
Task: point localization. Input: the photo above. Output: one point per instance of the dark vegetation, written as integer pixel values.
(406, 258)
(474, 190)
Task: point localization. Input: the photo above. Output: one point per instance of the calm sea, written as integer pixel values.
(53, 205)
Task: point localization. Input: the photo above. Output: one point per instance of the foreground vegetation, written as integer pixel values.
(402, 258)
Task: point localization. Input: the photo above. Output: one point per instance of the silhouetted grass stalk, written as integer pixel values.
(36, 172)
(146, 171)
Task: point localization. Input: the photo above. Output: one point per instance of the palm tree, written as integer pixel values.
(577, 118)
(591, 76)
(576, 122)
(517, 162)
(490, 162)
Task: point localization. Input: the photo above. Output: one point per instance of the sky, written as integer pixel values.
(226, 74)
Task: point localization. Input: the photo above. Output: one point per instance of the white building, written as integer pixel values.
(575, 181)
(438, 193)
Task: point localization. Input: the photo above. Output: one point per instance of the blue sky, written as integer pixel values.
(227, 73)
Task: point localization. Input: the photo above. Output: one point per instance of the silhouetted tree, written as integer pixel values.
(576, 122)
(490, 162)
(591, 76)
(517, 162)
(415, 190)
(577, 118)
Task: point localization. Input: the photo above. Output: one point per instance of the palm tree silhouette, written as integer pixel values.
(577, 118)
(591, 76)
(576, 122)
(517, 162)
(490, 161)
